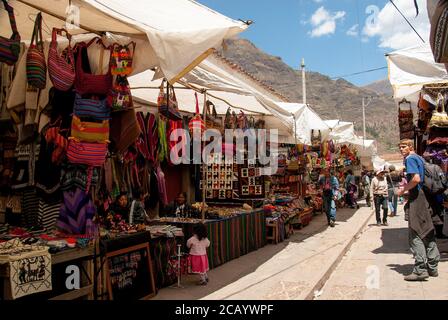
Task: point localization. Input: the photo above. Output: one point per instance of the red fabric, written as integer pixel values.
(199, 264)
(87, 83)
(91, 154)
(174, 146)
(62, 72)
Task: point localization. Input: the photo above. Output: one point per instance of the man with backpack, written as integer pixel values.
(421, 229)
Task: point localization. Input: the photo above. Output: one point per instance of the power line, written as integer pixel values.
(358, 73)
(407, 20)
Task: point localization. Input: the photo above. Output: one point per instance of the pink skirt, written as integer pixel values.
(199, 264)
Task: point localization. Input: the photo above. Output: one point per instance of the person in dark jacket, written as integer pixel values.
(121, 206)
(179, 208)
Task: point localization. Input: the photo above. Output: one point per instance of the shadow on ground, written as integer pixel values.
(402, 269)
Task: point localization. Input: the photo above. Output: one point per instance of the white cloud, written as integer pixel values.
(353, 31)
(393, 31)
(324, 22)
(318, 1)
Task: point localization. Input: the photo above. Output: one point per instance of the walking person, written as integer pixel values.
(330, 190)
(366, 186)
(393, 180)
(350, 186)
(379, 190)
(421, 229)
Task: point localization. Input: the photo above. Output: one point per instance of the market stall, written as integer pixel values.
(72, 143)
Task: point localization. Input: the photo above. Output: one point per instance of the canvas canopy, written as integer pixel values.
(172, 35)
(340, 131)
(410, 69)
(145, 92)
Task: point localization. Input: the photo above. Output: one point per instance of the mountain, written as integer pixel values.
(331, 99)
(381, 87)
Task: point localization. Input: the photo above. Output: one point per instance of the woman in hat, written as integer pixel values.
(379, 189)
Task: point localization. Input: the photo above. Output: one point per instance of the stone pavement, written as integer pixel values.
(375, 266)
(293, 269)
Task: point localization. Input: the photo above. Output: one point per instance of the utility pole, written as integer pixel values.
(364, 105)
(303, 81)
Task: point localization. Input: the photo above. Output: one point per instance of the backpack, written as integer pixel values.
(435, 181)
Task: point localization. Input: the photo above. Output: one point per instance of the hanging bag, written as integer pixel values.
(10, 47)
(36, 68)
(212, 120)
(88, 83)
(120, 97)
(90, 131)
(316, 140)
(90, 108)
(61, 67)
(439, 119)
(438, 35)
(167, 103)
(90, 154)
(121, 59)
(406, 121)
(196, 124)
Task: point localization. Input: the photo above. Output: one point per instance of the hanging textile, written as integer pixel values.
(163, 143)
(48, 214)
(174, 146)
(162, 186)
(124, 130)
(77, 212)
(30, 205)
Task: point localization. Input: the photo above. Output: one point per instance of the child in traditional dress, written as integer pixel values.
(198, 245)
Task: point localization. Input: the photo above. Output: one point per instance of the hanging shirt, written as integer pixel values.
(162, 186)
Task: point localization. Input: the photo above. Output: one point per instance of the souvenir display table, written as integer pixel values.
(81, 257)
(230, 237)
(284, 213)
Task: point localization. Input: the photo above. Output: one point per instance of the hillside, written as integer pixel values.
(331, 99)
(381, 87)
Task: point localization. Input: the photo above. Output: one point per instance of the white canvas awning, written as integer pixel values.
(174, 35)
(303, 119)
(341, 131)
(410, 69)
(145, 92)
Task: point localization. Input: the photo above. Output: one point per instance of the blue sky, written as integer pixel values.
(336, 37)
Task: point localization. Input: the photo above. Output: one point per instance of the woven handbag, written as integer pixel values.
(96, 109)
(120, 97)
(10, 47)
(90, 131)
(61, 68)
(167, 103)
(439, 119)
(196, 124)
(121, 59)
(36, 67)
(88, 83)
(438, 35)
(90, 154)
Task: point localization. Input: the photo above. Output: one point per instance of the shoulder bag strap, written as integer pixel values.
(12, 20)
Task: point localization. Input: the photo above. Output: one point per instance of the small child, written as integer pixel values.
(198, 245)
